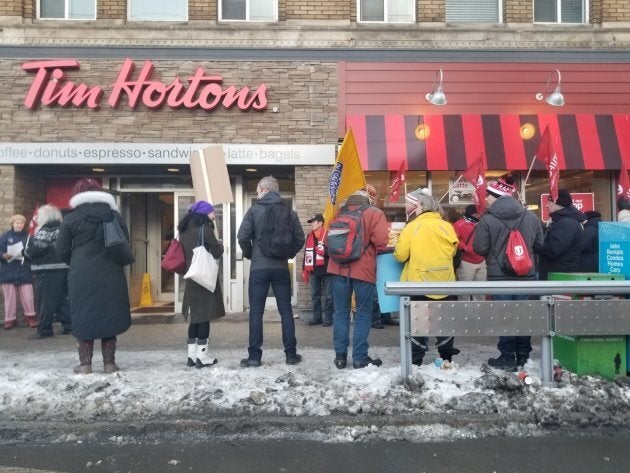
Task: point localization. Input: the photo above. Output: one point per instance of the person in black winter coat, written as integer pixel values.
(50, 274)
(97, 286)
(560, 251)
(202, 304)
(589, 245)
(15, 274)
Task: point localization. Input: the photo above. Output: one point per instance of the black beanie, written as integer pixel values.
(564, 198)
(470, 210)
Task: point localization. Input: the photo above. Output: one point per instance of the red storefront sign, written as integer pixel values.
(51, 87)
(582, 201)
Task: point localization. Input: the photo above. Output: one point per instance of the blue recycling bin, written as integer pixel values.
(387, 269)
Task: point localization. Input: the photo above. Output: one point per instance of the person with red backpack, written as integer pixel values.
(353, 237)
(505, 215)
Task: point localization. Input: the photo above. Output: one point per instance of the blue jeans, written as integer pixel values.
(514, 346)
(320, 284)
(280, 282)
(342, 288)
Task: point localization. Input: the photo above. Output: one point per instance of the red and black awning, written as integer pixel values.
(582, 141)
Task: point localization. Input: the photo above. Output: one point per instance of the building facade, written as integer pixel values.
(124, 90)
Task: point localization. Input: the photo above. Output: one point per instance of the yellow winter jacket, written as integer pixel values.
(427, 245)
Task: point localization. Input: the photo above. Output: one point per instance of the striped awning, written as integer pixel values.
(451, 142)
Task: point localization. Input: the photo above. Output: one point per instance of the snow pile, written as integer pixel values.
(157, 386)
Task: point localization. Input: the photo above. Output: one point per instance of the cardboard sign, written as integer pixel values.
(583, 201)
(614, 248)
(461, 192)
(211, 181)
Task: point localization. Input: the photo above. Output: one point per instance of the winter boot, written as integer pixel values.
(447, 355)
(445, 348)
(203, 358)
(86, 349)
(504, 362)
(521, 360)
(192, 352)
(31, 321)
(108, 348)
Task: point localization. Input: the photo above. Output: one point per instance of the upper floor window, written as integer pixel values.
(389, 11)
(158, 10)
(479, 11)
(560, 11)
(67, 9)
(248, 10)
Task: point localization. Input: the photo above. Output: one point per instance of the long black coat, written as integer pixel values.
(97, 287)
(589, 246)
(199, 302)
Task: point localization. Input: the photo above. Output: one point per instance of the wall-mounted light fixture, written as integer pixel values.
(437, 96)
(555, 98)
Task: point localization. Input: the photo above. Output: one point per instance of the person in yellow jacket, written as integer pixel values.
(426, 246)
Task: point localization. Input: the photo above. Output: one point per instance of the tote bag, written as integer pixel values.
(204, 269)
(174, 260)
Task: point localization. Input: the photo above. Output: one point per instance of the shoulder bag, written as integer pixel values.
(116, 242)
(174, 260)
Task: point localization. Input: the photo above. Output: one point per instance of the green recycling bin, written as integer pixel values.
(603, 356)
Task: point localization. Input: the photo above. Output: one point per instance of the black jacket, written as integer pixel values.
(589, 246)
(41, 249)
(560, 252)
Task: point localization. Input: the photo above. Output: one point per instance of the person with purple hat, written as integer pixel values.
(199, 303)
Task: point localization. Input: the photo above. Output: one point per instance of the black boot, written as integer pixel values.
(504, 362)
(448, 354)
(521, 360)
(86, 350)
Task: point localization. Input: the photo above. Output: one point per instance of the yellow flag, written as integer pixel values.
(346, 177)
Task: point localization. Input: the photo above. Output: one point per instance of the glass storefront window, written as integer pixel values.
(381, 180)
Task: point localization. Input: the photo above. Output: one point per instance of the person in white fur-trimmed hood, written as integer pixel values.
(97, 286)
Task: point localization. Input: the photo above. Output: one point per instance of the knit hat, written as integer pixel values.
(564, 198)
(371, 190)
(202, 207)
(501, 187)
(316, 218)
(412, 197)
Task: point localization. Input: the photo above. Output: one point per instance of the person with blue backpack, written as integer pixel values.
(354, 235)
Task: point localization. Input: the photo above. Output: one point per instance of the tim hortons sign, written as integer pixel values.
(51, 87)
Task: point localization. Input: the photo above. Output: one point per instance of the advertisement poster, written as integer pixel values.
(461, 192)
(583, 201)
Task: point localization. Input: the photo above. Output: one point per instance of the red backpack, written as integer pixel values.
(518, 260)
(344, 239)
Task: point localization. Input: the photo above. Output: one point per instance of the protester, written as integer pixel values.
(472, 266)
(426, 246)
(358, 276)
(589, 244)
(201, 304)
(50, 274)
(266, 271)
(15, 274)
(561, 248)
(503, 214)
(315, 272)
(97, 286)
(623, 207)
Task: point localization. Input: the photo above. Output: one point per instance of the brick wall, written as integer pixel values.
(111, 9)
(615, 10)
(518, 11)
(320, 10)
(12, 7)
(203, 9)
(20, 191)
(431, 11)
(311, 189)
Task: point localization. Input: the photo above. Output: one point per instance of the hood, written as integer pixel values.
(356, 199)
(593, 222)
(269, 198)
(568, 212)
(506, 208)
(95, 206)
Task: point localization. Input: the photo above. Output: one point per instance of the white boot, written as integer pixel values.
(192, 352)
(203, 358)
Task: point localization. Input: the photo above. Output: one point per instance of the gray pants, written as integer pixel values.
(472, 272)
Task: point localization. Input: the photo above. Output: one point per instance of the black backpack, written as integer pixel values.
(276, 236)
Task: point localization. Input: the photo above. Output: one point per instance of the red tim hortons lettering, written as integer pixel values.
(57, 90)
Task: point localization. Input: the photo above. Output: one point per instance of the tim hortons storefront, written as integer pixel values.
(133, 125)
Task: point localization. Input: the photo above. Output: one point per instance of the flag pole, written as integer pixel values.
(450, 187)
(529, 171)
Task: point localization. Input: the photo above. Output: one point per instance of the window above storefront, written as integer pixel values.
(157, 10)
(386, 11)
(248, 10)
(66, 9)
(560, 11)
(481, 11)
